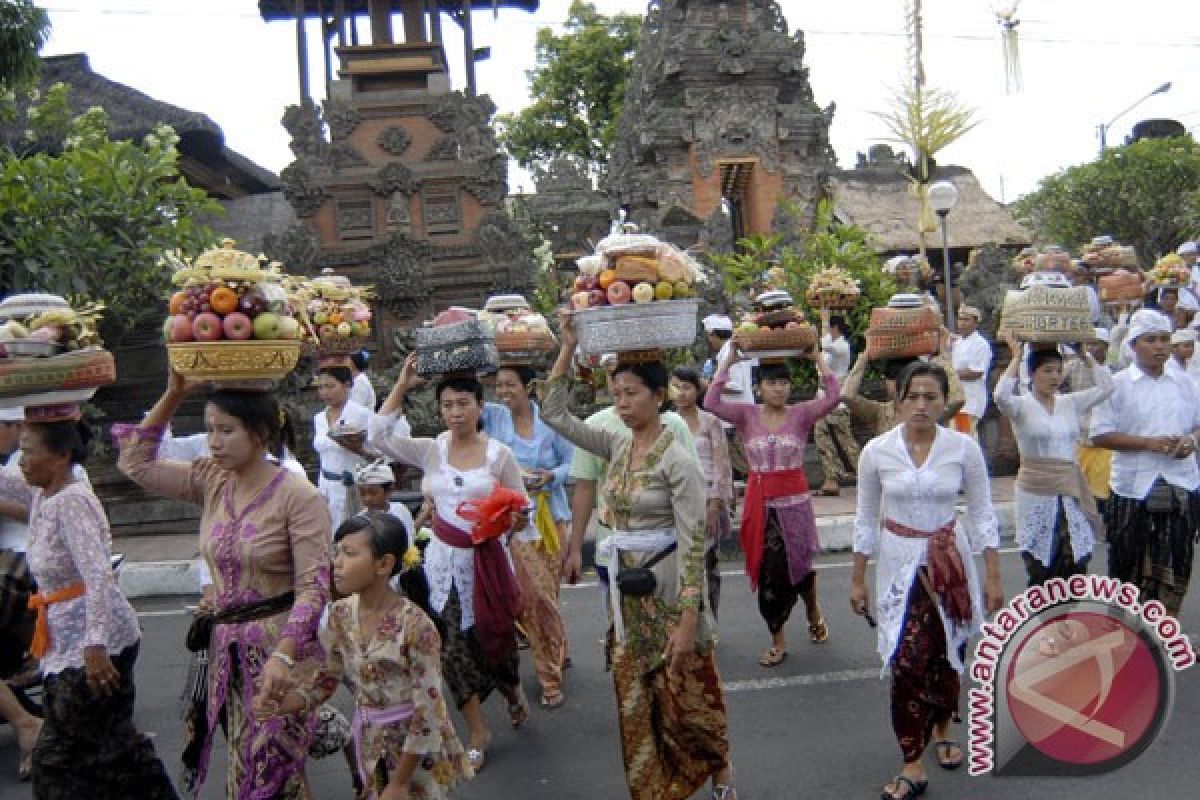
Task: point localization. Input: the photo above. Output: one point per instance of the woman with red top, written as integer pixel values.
(779, 530)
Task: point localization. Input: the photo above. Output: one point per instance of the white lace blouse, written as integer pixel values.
(1044, 434)
(890, 486)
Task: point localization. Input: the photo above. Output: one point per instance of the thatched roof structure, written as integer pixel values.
(205, 161)
(875, 196)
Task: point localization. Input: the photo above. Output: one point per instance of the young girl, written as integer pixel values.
(389, 645)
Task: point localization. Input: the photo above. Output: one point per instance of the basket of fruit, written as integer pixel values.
(455, 341)
(903, 329)
(231, 320)
(775, 327)
(50, 353)
(1169, 273)
(832, 288)
(1102, 255)
(522, 334)
(338, 312)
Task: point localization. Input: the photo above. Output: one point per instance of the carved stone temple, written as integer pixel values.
(719, 112)
(398, 180)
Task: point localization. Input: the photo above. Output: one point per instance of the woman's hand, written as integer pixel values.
(858, 596)
(265, 708)
(568, 337)
(208, 600)
(993, 593)
(944, 340)
(178, 385)
(275, 684)
(408, 378)
(542, 478)
(682, 643)
(1010, 339)
(572, 562)
(102, 677)
(1160, 445)
(354, 442)
(732, 356)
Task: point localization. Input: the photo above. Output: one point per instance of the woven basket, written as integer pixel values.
(1120, 287)
(462, 347)
(1048, 314)
(250, 360)
(525, 342)
(336, 347)
(637, 326)
(801, 339)
(891, 344)
(78, 370)
(833, 300)
(888, 320)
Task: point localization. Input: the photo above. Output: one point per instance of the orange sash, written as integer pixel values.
(42, 601)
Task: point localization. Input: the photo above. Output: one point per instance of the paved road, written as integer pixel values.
(817, 727)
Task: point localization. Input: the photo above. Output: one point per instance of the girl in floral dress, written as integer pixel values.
(388, 643)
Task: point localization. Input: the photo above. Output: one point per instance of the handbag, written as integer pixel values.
(640, 581)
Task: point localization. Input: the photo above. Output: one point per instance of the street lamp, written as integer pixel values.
(943, 196)
(1103, 127)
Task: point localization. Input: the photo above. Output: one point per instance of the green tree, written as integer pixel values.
(1146, 194)
(577, 86)
(92, 222)
(23, 30)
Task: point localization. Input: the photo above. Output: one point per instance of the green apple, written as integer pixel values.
(267, 325)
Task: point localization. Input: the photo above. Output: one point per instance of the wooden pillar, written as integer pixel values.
(468, 46)
(339, 19)
(413, 12)
(302, 51)
(381, 21)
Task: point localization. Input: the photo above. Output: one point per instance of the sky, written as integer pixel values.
(1083, 62)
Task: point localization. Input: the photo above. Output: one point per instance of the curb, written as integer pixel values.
(140, 579)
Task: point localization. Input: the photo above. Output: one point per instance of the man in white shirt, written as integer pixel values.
(1151, 422)
(1190, 254)
(972, 358)
(361, 391)
(832, 434)
(1183, 352)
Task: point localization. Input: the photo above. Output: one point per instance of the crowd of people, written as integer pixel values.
(310, 587)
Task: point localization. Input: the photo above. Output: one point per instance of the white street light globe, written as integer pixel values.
(943, 196)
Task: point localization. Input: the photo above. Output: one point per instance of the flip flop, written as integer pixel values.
(773, 657)
(518, 713)
(475, 758)
(552, 701)
(949, 763)
(818, 631)
(914, 788)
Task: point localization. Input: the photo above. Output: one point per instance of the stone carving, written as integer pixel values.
(355, 219)
(301, 188)
(489, 185)
(399, 269)
(394, 177)
(398, 220)
(735, 51)
(506, 249)
(445, 149)
(563, 174)
(734, 120)
(441, 211)
(469, 119)
(296, 248)
(394, 140)
(303, 123)
(341, 117)
(343, 155)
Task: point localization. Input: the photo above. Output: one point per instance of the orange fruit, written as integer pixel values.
(335, 318)
(176, 304)
(223, 300)
(606, 278)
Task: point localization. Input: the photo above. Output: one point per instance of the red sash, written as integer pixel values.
(761, 487)
(947, 574)
(497, 600)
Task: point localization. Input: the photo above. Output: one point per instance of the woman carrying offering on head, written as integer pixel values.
(472, 585)
(930, 598)
(265, 533)
(339, 435)
(545, 461)
(86, 635)
(670, 704)
(779, 529)
(388, 640)
(1057, 519)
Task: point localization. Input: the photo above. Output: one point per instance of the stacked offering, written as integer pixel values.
(455, 341)
(1053, 259)
(339, 313)
(832, 288)
(635, 293)
(906, 328)
(775, 328)
(231, 320)
(522, 334)
(1048, 309)
(1169, 273)
(1121, 287)
(50, 355)
(1103, 255)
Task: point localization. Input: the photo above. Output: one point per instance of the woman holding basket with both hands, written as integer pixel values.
(472, 585)
(669, 699)
(929, 596)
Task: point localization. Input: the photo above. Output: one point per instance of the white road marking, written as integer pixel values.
(839, 676)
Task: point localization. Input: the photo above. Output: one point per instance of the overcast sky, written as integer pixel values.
(1083, 62)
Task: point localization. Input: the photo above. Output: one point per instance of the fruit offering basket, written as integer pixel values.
(1103, 255)
(621, 328)
(832, 288)
(634, 268)
(50, 353)
(455, 341)
(1169, 273)
(339, 313)
(776, 326)
(522, 335)
(231, 320)
(905, 328)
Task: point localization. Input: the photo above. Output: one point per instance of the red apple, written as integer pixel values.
(581, 283)
(179, 329)
(206, 327)
(597, 297)
(237, 326)
(619, 293)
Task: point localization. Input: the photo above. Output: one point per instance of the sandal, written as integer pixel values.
(949, 763)
(773, 657)
(518, 713)
(723, 791)
(826, 491)
(818, 631)
(552, 700)
(911, 788)
(475, 759)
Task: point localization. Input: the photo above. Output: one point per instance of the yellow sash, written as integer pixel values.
(543, 520)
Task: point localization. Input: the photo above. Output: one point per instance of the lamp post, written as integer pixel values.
(1104, 126)
(943, 196)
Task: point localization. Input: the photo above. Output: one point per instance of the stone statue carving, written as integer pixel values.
(734, 120)
(394, 140)
(399, 219)
(303, 123)
(343, 155)
(394, 177)
(399, 268)
(507, 250)
(735, 51)
(468, 118)
(444, 149)
(341, 117)
(296, 248)
(301, 188)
